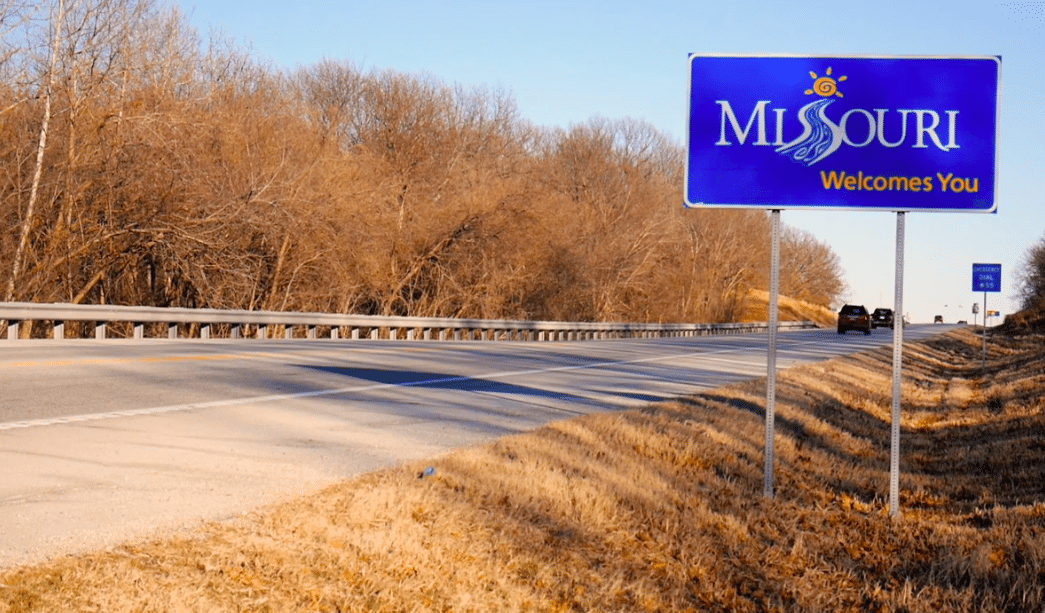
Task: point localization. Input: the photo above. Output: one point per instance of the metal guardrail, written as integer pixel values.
(241, 324)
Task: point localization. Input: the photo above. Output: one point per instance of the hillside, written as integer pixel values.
(1027, 320)
(651, 510)
(756, 308)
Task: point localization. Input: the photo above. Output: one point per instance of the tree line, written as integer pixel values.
(142, 164)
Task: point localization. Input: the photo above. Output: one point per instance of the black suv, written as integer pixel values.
(882, 318)
(854, 317)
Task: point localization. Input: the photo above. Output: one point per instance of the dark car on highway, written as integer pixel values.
(882, 318)
(854, 317)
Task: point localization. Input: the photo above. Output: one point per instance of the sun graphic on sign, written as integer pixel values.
(825, 86)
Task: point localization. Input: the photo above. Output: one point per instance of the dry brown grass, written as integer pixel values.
(652, 510)
(756, 308)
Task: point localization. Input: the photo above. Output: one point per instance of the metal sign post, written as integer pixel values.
(774, 288)
(894, 431)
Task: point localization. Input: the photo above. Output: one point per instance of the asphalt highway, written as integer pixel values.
(106, 441)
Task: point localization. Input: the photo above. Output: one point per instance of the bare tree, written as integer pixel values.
(56, 19)
(1030, 276)
(14, 14)
(810, 269)
(613, 194)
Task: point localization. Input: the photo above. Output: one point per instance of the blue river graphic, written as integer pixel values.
(820, 136)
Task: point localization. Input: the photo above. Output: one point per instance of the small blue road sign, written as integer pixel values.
(986, 277)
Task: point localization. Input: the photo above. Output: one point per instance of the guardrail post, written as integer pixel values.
(335, 331)
(172, 330)
(262, 331)
(311, 332)
(139, 330)
(355, 333)
(99, 330)
(234, 332)
(409, 334)
(288, 331)
(59, 330)
(373, 334)
(12, 329)
(205, 331)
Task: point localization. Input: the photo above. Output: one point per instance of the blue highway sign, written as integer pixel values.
(986, 277)
(884, 132)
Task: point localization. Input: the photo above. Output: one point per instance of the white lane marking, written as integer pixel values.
(14, 425)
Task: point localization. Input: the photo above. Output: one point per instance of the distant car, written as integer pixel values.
(854, 317)
(938, 319)
(882, 318)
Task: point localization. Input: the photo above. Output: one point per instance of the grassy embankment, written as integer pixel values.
(651, 510)
(756, 308)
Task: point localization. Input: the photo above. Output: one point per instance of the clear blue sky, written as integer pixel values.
(567, 61)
